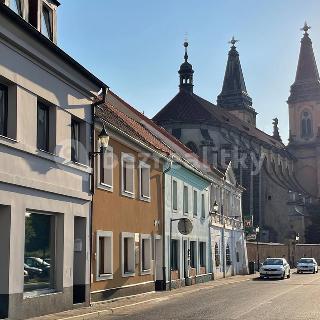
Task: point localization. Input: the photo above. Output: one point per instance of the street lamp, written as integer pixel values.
(215, 207)
(258, 257)
(103, 139)
(297, 238)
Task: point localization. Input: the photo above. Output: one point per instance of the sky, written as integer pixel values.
(136, 47)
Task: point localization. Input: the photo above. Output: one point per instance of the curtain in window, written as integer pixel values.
(3, 111)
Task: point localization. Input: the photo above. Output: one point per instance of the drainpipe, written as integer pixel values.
(92, 182)
(164, 277)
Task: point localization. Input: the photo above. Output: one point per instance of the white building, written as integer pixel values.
(45, 201)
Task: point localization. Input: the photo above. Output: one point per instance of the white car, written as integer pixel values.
(307, 265)
(275, 268)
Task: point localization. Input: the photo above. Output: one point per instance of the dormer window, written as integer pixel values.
(46, 22)
(16, 6)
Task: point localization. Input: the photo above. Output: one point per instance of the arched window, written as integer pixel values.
(228, 256)
(306, 124)
(217, 255)
(192, 146)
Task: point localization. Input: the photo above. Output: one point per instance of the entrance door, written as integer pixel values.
(79, 260)
(158, 260)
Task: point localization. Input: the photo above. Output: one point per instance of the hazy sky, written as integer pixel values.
(136, 47)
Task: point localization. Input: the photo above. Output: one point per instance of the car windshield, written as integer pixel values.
(305, 261)
(273, 262)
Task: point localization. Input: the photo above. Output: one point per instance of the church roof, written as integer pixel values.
(307, 82)
(190, 108)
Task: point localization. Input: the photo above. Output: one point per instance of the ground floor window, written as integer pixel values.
(145, 253)
(128, 254)
(193, 254)
(104, 252)
(217, 255)
(39, 254)
(174, 254)
(228, 256)
(202, 252)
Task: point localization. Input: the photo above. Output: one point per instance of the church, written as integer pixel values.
(280, 180)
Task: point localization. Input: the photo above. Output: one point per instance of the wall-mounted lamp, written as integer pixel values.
(103, 139)
(215, 207)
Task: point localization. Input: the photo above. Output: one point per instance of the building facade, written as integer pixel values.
(45, 199)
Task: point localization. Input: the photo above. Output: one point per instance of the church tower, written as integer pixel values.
(234, 96)
(304, 118)
(186, 72)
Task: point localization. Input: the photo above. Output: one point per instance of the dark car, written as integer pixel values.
(33, 272)
(38, 263)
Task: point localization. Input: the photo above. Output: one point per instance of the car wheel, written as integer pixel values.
(314, 270)
(289, 275)
(283, 276)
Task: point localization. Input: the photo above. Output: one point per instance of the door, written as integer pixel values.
(186, 259)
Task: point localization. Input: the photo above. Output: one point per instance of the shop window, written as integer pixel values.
(46, 22)
(174, 195)
(106, 168)
(202, 253)
(3, 110)
(174, 255)
(104, 250)
(128, 254)
(195, 203)
(217, 255)
(185, 199)
(144, 173)
(228, 255)
(145, 250)
(39, 255)
(127, 165)
(193, 254)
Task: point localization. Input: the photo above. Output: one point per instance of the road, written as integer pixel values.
(295, 298)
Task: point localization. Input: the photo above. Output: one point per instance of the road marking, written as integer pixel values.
(270, 300)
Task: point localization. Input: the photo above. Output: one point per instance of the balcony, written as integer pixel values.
(227, 222)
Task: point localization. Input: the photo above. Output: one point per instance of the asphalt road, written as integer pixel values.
(295, 298)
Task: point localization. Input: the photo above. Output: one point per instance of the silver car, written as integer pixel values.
(307, 265)
(275, 268)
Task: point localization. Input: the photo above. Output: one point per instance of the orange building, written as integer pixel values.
(127, 208)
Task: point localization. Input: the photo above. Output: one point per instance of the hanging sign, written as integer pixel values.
(185, 226)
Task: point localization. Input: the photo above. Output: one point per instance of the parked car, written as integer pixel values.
(25, 275)
(38, 263)
(307, 265)
(275, 268)
(33, 272)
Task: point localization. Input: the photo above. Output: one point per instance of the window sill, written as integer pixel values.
(146, 199)
(79, 164)
(145, 272)
(127, 194)
(105, 187)
(37, 293)
(47, 152)
(102, 277)
(128, 274)
(8, 139)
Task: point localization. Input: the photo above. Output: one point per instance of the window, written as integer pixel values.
(185, 200)
(203, 207)
(104, 250)
(217, 255)
(193, 254)
(144, 181)
(174, 254)
(128, 254)
(195, 203)
(3, 110)
(106, 167)
(145, 257)
(174, 195)
(75, 140)
(192, 146)
(46, 22)
(202, 253)
(228, 255)
(39, 255)
(127, 175)
(43, 127)
(306, 125)
(16, 6)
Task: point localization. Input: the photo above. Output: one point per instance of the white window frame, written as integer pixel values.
(146, 237)
(133, 254)
(129, 158)
(109, 275)
(103, 185)
(143, 165)
(175, 209)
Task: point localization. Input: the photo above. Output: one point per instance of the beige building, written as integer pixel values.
(45, 201)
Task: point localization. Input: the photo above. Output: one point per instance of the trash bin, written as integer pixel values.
(252, 269)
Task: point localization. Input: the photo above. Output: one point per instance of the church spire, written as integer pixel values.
(234, 95)
(307, 82)
(186, 72)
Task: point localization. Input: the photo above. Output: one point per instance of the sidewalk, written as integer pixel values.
(102, 308)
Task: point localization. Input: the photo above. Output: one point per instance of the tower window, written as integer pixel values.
(46, 22)
(306, 125)
(16, 6)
